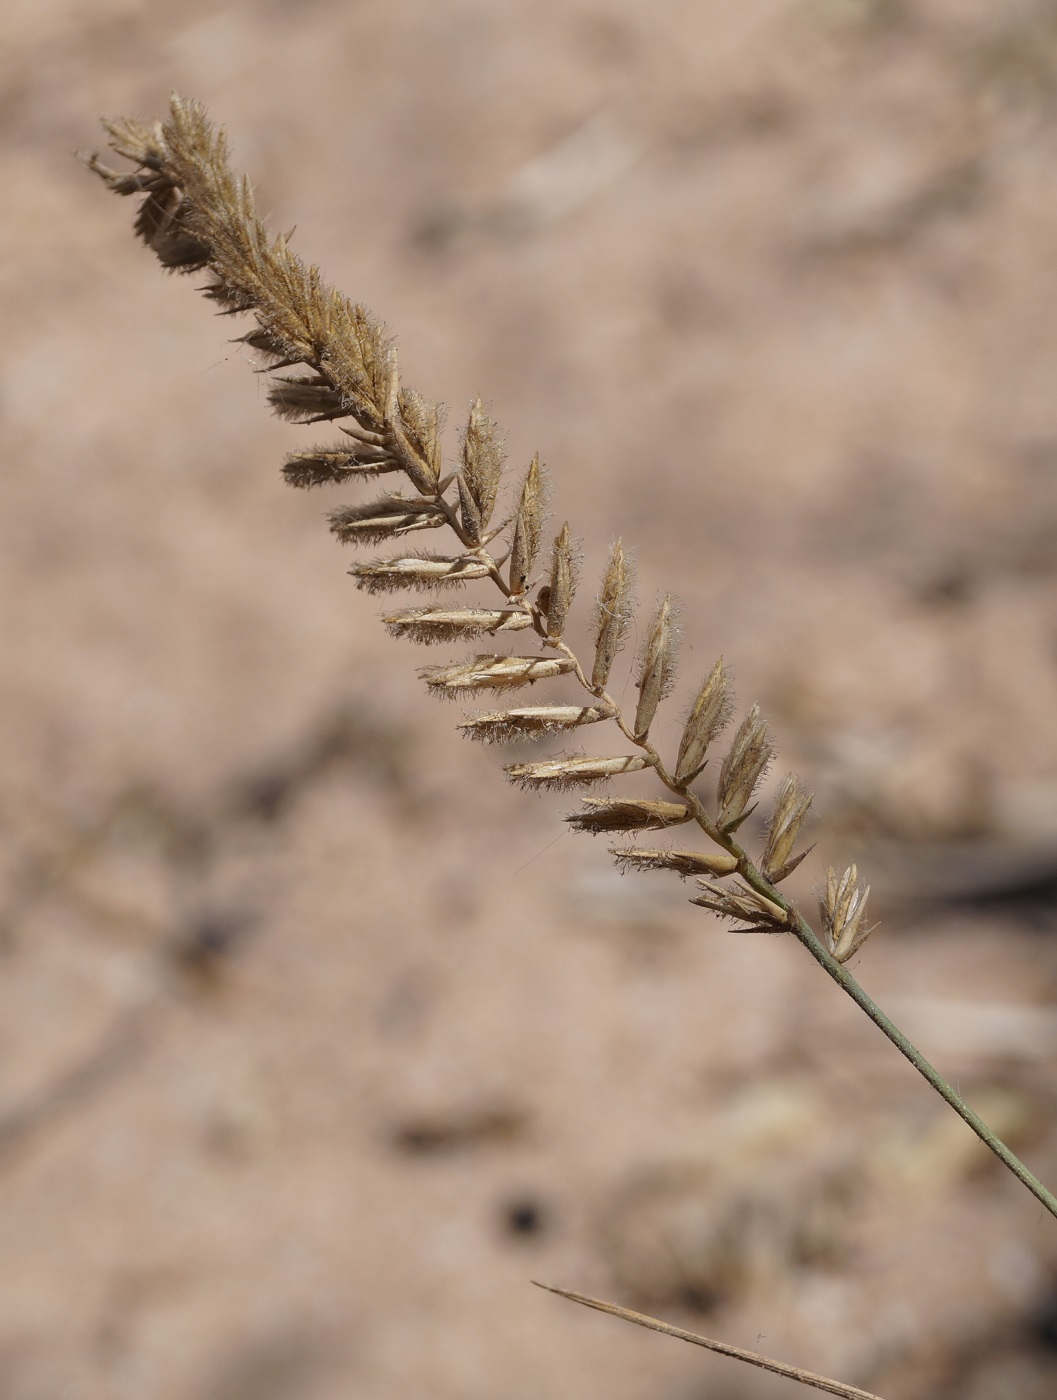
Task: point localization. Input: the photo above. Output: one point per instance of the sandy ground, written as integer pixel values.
(317, 1042)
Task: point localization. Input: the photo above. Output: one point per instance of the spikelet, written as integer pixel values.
(307, 398)
(613, 612)
(710, 713)
(431, 625)
(656, 666)
(562, 584)
(324, 466)
(744, 766)
(528, 528)
(531, 721)
(383, 519)
(790, 808)
(421, 572)
(627, 814)
(756, 913)
(684, 863)
(493, 673)
(573, 770)
(410, 454)
(843, 909)
(482, 464)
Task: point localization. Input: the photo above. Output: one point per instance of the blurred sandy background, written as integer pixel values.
(316, 1041)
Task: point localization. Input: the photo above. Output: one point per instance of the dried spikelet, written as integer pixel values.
(493, 673)
(684, 863)
(574, 770)
(383, 519)
(757, 913)
(613, 612)
(656, 666)
(407, 450)
(431, 625)
(843, 909)
(562, 585)
(790, 808)
(325, 466)
(482, 462)
(528, 528)
(305, 398)
(472, 523)
(422, 421)
(743, 767)
(532, 721)
(710, 713)
(627, 814)
(422, 572)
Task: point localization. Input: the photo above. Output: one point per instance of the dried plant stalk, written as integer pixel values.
(198, 217)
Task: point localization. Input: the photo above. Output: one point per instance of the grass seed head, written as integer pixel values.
(790, 808)
(656, 666)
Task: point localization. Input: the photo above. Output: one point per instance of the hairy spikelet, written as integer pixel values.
(684, 863)
(754, 911)
(424, 571)
(328, 466)
(493, 673)
(708, 717)
(656, 666)
(613, 613)
(562, 584)
(600, 814)
(790, 808)
(573, 770)
(482, 464)
(750, 754)
(431, 625)
(843, 909)
(383, 519)
(528, 528)
(305, 398)
(531, 722)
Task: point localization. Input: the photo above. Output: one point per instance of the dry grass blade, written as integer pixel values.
(752, 1358)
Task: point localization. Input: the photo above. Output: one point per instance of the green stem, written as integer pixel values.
(847, 982)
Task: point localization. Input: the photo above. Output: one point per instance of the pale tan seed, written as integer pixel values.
(528, 528)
